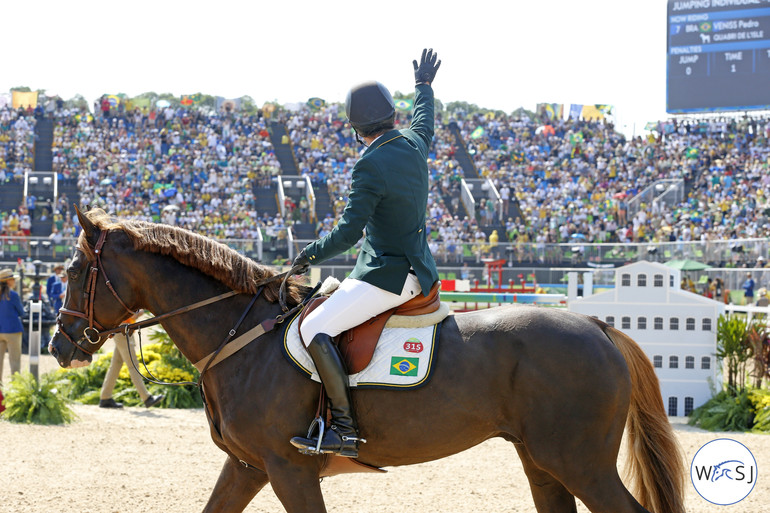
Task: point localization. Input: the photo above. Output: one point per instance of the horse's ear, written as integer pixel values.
(89, 229)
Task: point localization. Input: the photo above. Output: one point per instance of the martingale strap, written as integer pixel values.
(242, 341)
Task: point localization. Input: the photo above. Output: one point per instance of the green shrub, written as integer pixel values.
(725, 412)
(164, 361)
(32, 402)
(761, 402)
(733, 348)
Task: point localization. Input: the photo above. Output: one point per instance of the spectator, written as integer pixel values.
(51, 282)
(59, 292)
(11, 327)
(748, 290)
(125, 349)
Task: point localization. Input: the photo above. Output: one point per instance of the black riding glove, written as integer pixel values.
(301, 263)
(426, 71)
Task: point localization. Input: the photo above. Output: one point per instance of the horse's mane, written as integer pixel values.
(208, 256)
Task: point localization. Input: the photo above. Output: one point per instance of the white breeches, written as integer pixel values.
(352, 303)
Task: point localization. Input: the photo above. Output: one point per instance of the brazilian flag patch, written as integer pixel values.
(401, 366)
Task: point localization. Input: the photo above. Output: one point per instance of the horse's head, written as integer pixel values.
(98, 296)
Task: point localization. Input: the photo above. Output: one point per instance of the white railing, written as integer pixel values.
(749, 310)
(310, 199)
(730, 259)
(669, 191)
(466, 196)
(281, 196)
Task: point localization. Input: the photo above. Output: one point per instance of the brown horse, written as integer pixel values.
(559, 386)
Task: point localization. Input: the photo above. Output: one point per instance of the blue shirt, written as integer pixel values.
(10, 313)
(49, 286)
(748, 288)
(57, 289)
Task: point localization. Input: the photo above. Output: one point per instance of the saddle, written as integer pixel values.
(357, 344)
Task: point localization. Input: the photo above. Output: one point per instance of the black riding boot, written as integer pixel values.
(342, 437)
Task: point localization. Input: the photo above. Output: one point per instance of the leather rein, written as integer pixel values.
(94, 332)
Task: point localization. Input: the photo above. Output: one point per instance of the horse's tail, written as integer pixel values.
(655, 462)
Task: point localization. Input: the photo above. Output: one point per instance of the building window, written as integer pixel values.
(673, 362)
(657, 361)
(689, 402)
(705, 363)
(641, 280)
(690, 324)
(673, 323)
(625, 280)
(672, 407)
(671, 281)
(610, 320)
(657, 280)
(625, 323)
(641, 323)
(706, 324)
(689, 362)
(658, 323)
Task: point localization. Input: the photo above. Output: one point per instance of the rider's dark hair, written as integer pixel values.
(377, 128)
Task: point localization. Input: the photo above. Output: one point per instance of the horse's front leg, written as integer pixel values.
(235, 488)
(297, 486)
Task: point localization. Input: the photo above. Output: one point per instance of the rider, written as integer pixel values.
(388, 197)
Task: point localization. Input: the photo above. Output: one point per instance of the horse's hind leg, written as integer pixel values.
(596, 484)
(235, 488)
(549, 495)
(297, 486)
(603, 494)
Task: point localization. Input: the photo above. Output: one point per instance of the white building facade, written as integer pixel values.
(674, 327)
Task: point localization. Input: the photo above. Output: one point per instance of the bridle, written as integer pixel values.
(94, 331)
(95, 334)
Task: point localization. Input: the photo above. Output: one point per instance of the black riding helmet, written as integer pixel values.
(370, 108)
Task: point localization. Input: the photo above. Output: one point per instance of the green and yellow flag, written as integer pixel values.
(316, 103)
(404, 105)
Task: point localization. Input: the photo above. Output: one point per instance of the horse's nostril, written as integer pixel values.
(52, 351)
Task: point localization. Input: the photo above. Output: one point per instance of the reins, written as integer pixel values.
(229, 346)
(95, 332)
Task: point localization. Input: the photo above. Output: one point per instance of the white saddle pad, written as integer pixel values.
(403, 357)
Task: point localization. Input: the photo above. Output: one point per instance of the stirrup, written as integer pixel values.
(321, 425)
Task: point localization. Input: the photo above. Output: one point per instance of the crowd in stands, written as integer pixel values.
(181, 166)
(17, 143)
(574, 178)
(571, 179)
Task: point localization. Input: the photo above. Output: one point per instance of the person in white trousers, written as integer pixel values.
(123, 353)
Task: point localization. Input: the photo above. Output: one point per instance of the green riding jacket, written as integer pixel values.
(388, 197)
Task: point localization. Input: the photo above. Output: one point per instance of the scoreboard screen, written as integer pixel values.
(718, 55)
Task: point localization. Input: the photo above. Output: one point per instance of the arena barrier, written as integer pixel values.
(465, 301)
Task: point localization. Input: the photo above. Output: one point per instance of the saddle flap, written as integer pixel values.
(357, 344)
